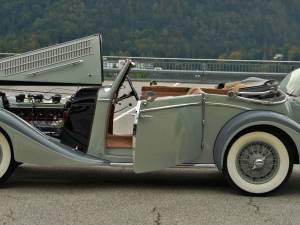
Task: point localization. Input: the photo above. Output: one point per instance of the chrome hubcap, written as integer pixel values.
(257, 162)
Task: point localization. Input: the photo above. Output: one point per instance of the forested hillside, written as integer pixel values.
(252, 29)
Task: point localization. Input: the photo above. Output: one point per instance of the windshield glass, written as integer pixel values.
(291, 83)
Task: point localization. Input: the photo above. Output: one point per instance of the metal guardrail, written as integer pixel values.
(200, 70)
(196, 70)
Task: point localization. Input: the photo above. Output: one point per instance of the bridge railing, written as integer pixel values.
(196, 70)
(201, 70)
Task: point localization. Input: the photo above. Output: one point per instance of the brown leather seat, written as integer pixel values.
(195, 91)
(118, 141)
(215, 91)
(162, 91)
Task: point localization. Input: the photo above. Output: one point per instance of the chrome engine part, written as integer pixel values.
(46, 114)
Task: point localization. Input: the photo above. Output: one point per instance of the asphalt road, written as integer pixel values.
(37, 195)
(117, 196)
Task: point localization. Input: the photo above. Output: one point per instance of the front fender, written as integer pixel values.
(249, 119)
(32, 146)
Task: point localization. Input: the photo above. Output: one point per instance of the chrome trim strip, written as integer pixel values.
(196, 165)
(244, 93)
(121, 164)
(103, 100)
(171, 106)
(182, 166)
(227, 105)
(54, 68)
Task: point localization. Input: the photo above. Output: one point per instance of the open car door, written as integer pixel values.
(168, 132)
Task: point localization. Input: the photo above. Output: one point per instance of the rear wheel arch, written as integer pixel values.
(250, 121)
(279, 133)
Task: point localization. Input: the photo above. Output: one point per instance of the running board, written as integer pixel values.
(186, 165)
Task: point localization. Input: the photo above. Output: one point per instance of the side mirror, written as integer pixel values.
(150, 96)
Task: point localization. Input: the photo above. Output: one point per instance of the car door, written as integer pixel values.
(168, 132)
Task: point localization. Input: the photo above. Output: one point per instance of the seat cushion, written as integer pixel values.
(118, 141)
(195, 91)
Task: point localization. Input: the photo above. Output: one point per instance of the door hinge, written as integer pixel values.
(203, 120)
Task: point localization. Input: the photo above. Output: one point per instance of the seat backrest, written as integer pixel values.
(194, 91)
(162, 91)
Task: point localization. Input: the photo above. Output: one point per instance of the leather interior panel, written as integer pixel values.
(118, 141)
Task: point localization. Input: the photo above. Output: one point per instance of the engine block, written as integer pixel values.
(45, 114)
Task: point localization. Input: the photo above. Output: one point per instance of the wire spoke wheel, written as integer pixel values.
(257, 163)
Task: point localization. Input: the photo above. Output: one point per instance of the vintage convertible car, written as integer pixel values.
(249, 129)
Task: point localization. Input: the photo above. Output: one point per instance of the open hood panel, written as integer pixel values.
(76, 62)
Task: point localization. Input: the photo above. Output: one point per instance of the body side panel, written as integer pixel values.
(169, 132)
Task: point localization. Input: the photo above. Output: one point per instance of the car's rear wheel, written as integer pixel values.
(7, 163)
(258, 163)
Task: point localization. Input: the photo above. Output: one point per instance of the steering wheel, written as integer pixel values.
(133, 91)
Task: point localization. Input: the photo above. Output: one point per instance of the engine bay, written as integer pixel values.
(46, 114)
(63, 115)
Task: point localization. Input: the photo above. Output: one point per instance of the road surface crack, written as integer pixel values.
(254, 205)
(9, 216)
(157, 220)
(258, 211)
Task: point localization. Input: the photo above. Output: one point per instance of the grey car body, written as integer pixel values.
(187, 129)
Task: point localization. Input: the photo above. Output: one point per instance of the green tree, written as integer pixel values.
(164, 28)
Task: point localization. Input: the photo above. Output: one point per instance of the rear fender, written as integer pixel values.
(248, 119)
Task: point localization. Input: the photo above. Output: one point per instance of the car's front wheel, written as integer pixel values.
(257, 163)
(7, 163)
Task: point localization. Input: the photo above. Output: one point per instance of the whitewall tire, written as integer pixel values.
(7, 163)
(257, 163)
